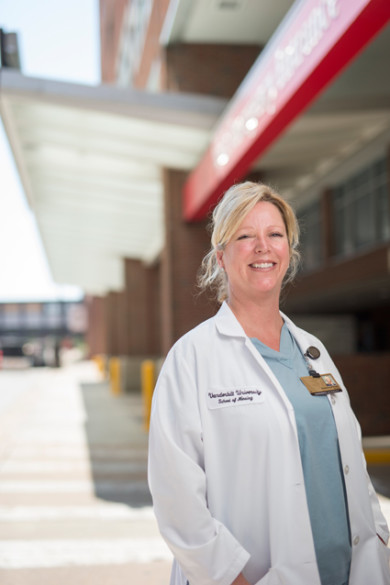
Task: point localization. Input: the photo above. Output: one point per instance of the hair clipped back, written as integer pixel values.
(237, 202)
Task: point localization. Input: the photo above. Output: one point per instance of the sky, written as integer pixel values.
(58, 39)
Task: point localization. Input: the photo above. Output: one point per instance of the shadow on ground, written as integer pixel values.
(117, 443)
(380, 477)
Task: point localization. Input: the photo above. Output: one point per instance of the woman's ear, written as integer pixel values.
(220, 259)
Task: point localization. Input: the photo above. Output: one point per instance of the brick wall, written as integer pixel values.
(152, 49)
(367, 380)
(143, 316)
(210, 69)
(111, 20)
(117, 315)
(96, 335)
(186, 244)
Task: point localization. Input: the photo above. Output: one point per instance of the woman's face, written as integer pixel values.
(257, 256)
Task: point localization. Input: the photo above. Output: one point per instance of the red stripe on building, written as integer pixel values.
(316, 40)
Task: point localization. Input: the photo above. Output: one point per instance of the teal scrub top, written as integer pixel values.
(321, 462)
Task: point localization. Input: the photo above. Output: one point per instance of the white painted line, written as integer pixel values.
(58, 451)
(26, 467)
(53, 417)
(64, 435)
(101, 512)
(33, 487)
(62, 553)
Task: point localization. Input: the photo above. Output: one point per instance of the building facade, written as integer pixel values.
(327, 149)
(35, 333)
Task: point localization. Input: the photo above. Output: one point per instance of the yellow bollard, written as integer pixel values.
(115, 376)
(100, 361)
(377, 456)
(148, 380)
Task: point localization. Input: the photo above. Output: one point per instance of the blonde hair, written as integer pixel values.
(237, 202)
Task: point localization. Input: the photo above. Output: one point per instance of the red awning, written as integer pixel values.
(316, 40)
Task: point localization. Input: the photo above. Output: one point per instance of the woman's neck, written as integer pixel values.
(262, 321)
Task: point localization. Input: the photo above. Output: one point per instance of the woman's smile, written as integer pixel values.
(262, 265)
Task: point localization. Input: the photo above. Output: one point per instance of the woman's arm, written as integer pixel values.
(204, 548)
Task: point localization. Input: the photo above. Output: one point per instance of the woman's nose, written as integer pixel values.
(261, 244)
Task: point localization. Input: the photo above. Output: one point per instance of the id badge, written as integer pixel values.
(321, 385)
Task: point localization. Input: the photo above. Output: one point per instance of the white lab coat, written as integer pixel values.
(226, 477)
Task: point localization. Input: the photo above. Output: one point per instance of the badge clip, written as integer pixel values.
(313, 352)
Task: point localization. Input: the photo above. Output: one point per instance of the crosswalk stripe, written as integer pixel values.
(68, 466)
(99, 512)
(60, 553)
(55, 486)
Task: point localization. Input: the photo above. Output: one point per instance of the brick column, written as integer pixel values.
(185, 245)
(143, 317)
(117, 332)
(96, 335)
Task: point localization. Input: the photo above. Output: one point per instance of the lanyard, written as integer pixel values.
(313, 353)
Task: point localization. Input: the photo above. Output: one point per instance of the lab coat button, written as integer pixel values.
(356, 540)
(333, 399)
(346, 469)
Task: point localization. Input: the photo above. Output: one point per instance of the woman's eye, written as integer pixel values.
(277, 234)
(243, 237)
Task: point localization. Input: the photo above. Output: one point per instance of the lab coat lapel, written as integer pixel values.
(227, 324)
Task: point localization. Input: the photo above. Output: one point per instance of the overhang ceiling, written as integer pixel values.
(223, 21)
(90, 161)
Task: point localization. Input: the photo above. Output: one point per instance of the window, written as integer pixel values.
(33, 316)
(12, 317)
(361, 210)
(133, 39)
(311, 237)
(53, 317)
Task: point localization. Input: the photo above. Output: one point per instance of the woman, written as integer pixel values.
(256, 468)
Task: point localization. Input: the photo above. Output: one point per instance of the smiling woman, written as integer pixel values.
(248, 468)
(228, 216)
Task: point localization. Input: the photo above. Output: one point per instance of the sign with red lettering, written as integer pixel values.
(315, 41)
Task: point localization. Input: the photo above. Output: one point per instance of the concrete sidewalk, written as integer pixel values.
(74, 502)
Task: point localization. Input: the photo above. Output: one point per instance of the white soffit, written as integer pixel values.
(223, 21)
(90, 161)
